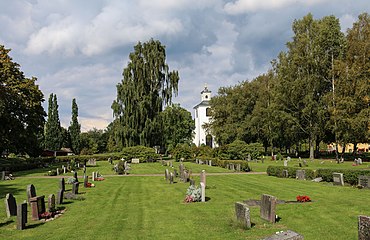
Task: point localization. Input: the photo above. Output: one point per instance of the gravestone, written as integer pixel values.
(285, 173)
(243, 214)
(75, 187)
(31, 192)
(171, 178)
(135, 160)
(175, 173)
(232, 167)
(37, 207)
(288, 159)
(249, 158)
(86, 181)
(338, 179)
(166, 174)
(192, 182)
(91, 162)
(196, 161)
(75, 176)
(60, 197)
(301, 174)
(10, 205)
(62, 184)
(285, 235)
(93, 176)
(238, 167)
(285, 163)
(268, 206)
(64, 169)
(203, 189)
(3, 175)
(51, 202)
(363, 227)
(227, 166)
(364, 181)
(171, 164)
(57, 171)
(21, 216)
(319, 179)
(181, 170)
(203, 177)
(186, 176)
(304, 163)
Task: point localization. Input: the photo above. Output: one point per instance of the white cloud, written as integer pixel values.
(244, 6)
(346, 21)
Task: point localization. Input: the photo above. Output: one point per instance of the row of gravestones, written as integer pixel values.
(230, 166)
(338, 178)
(205, 162)
(185, 177)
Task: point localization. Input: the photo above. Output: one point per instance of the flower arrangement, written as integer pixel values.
(99, 179)
(303, 198)
(193, 194)
(90, 185)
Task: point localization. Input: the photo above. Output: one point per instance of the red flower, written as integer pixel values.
(303, 198)
(188, 199)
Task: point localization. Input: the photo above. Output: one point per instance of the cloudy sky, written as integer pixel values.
(78, 49)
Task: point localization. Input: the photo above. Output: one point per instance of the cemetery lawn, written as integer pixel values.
(147, 207)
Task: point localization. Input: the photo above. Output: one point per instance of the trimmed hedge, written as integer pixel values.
(350, 176)
(223, 163)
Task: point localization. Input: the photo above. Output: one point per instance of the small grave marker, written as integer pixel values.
(301, 174)
(243, 214)
(62, 184)
(86, 181)
(286, 235)
(203, 177)
(75, 187)
(31, 192)
(10, 205)
(91, 162)
(93, 176)
(51, 202)
(135, 160)
(285, 163)
(364, 181)
(171, 178)
(285, 173)
(338, 179)
(268, 206)
(60, 197)
(166, 174)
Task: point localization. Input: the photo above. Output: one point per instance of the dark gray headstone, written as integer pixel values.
(338, 179)
(175, 173)
(10, 205)
(243, 214)
(31, 192)
(363, 227)
(21, 216)
(60, 197)
(86, 180)
(301, 174)
(3, 175)
(75, 187)
(62, 184)
(286, 235)
(75, 176)
(364, 181)
(51, 202)
(268, 207)
(192, 182)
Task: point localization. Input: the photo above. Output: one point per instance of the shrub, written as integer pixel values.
(277, 171)
(51, 173)
(244, 165)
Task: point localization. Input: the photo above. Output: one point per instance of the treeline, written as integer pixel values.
(318, 90)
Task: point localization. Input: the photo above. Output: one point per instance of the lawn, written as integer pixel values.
(146, 207)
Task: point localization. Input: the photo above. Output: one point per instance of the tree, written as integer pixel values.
(178, 126)
(75, 129)
(146, 87)
(53, 131)
(304, 74)
(93, 141)
(21, 112)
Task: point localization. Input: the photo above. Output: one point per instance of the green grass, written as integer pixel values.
(149, 208)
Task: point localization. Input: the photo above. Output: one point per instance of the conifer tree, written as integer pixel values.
(75, 129)
(53, 133)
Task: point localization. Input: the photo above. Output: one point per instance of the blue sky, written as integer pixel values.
(78, 49)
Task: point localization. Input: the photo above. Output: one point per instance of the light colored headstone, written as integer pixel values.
(203, 189)
(268, 207)
(166, 174)
(243, 214)
(203, 177)
(285, 173)
(93, 176)
(64, 169)
(210, 162)
(171, 178)
(319, 179)
(338, 179)
(57, 171)
(285, 163)
(363, 227)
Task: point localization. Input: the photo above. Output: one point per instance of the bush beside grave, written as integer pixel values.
(350, 176)
(223, 163)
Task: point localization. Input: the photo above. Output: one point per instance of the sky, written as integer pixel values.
(79, 48)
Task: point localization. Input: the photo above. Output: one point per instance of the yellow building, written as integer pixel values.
(361, 147)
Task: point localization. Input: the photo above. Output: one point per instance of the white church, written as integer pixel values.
(202, 113)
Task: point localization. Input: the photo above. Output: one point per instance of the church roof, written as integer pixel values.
(202, 103)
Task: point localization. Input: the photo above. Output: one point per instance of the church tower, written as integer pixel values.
(202, 113)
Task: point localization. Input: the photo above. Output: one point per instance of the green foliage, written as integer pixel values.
(53, 130)
(195, 193)
(146, 87)
(75, 129)
(141, 152)
(93, 141)
(182, 151)
(178, 126)
(71, 180)
(223, 163)
(51, 173)
(239, 150)
(21, 112)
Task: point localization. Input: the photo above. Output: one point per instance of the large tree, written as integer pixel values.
(53, 130)
(147, 86)
(178, 126)
(21, 112)
(75, 129)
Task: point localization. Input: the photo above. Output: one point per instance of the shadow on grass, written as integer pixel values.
(208, 199)
(34, 225)
(6, 223)
(8, 188)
